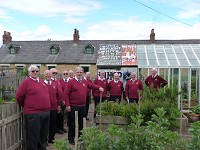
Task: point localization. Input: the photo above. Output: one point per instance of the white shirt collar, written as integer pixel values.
(116, 81)
(45, 81)
(78, 79)
(101, 79)
(54, 79)
(37, 79)
(154, 76)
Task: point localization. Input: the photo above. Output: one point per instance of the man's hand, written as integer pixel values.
(59, 109)
(101, 89)
(68, 108)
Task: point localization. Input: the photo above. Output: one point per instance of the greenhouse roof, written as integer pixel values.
(168, 56)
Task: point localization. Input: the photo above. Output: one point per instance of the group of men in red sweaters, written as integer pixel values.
(42, 100)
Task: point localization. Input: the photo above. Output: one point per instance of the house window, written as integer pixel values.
(49, 67)
(54, 51)
(5, 70)
(12, 50)
(20, 69)
(85, 69)
(89, 49)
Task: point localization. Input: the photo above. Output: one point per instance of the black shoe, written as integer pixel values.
(59, 131)
(71, 142)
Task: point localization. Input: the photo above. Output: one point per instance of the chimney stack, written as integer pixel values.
(76, 36)
(7, 37)
(152, 36)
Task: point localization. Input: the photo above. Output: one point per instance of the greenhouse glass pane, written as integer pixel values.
(171, 56)
(181, 56)
(161, 56)
(152, 62)
(151, 56)
(183, 62)
(194, 62)
(173, 62)
(163, 62)
(191, 56)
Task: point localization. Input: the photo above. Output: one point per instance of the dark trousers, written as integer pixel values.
(97, 100)
(37, 127)
(52, 125)
(87, 105)
(60, 121)
(115, 98)
(71, 121)
(133, 100)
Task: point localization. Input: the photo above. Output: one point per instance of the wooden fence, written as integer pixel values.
(9, 85)
(11, 127)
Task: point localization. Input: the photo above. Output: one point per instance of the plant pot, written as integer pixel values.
(184, 120)
(194, 117)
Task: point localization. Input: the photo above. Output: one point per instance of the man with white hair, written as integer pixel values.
(115, 87)
(55, 104)
(33, 96)
(60, 115)
(133, 86)
(75, 99)
(155, 80)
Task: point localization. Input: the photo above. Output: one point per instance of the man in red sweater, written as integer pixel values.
(155, 80)
(75, 99)
(101, 81)
(115, 87)
(33, 96)
(60, 115)
(63, 80)
(133, 86)
(55, 104)
(87, 78)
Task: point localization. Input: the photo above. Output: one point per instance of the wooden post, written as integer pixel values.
(76, 130)
(84, 122)
(100, 109)
(181, 108)
(138, 102)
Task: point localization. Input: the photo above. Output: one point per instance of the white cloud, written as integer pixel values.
(139, 30)
(127, 29)
(49, 8)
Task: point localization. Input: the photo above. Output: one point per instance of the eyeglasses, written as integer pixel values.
(55, 73)
(34, 71)
(65, 73)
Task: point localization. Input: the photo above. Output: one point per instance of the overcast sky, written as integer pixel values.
(100, 19)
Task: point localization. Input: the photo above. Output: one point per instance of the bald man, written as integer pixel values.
(155, 80)
(115, 87)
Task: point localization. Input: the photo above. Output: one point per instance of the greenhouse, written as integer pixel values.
(170, 58)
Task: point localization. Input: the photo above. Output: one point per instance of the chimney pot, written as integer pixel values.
(6, 37)
(152, 36)
(76, 36)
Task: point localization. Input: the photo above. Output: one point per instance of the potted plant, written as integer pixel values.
(195, 114)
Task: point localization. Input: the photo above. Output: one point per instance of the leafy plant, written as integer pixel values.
(62, 144)
(194, 143)
(1, 100)
(196, 109)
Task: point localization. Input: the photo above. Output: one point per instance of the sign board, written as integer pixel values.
(109, 54)
(129, 55)
(117, 55)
